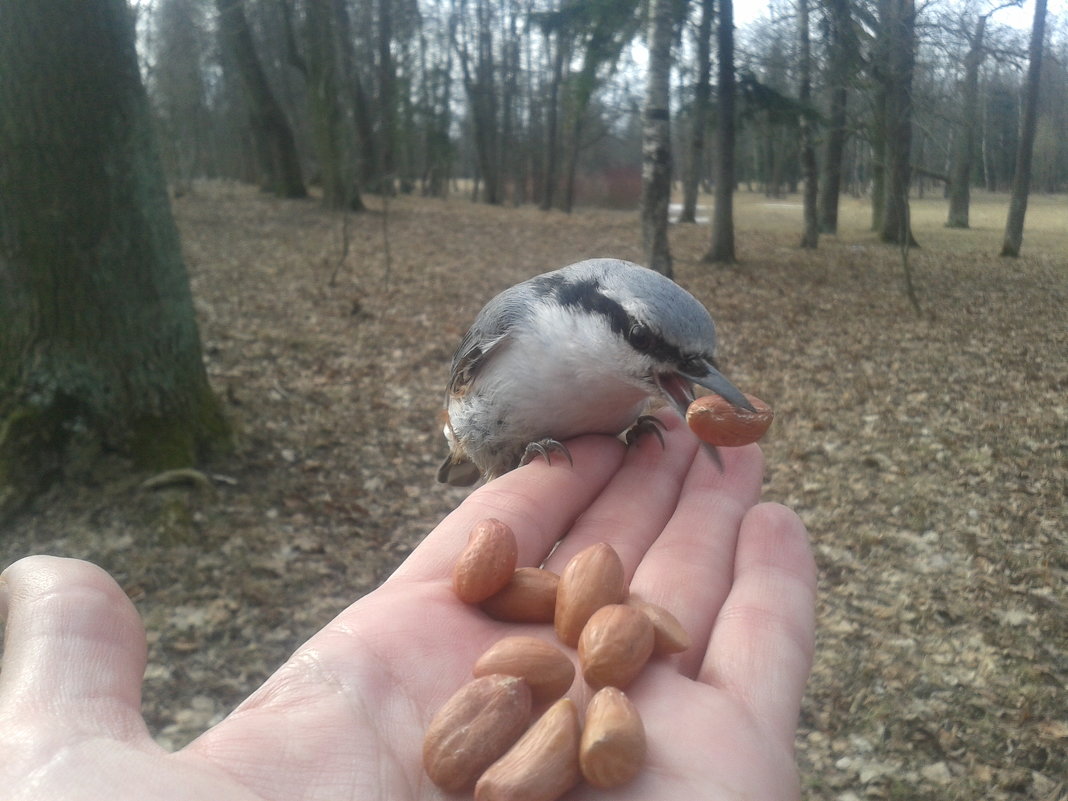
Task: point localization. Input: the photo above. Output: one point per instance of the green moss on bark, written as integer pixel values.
(169, 442)
(32, 440)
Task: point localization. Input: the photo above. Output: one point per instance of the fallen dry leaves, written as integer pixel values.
(927, 455)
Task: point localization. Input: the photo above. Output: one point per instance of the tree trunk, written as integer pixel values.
(1021, 179)
(722, 248)
(878, 157)
(699, 117)
(552, 125)
(367, 168)
(840, 59)
(277, 151)
(899, 24)
(656, 141)
(100, 348)
(482, 96)
(387, 102)
(961, 174)
(324, 104)
(810, 236)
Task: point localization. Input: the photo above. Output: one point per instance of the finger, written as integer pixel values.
(538, 501)
(762, 642)
(74, 648)
(641, 497)
(689, 568)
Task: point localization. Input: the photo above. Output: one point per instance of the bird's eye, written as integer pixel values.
(640, 337)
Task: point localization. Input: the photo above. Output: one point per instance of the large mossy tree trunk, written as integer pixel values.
(99, 347)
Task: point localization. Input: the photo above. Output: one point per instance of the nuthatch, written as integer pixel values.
(580, 350)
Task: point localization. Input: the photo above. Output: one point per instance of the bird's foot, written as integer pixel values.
(646, 424)
(545, 448)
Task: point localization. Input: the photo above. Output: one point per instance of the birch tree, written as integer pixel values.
(656, 141)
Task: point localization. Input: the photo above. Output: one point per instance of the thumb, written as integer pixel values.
(74, 650)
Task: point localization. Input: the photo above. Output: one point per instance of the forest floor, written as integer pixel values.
(927, 454)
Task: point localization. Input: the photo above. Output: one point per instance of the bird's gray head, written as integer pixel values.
(670, 331)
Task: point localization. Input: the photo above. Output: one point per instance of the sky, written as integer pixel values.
(746, 11)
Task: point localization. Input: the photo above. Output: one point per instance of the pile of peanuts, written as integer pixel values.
(483, 737)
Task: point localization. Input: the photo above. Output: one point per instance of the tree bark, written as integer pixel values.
(387, 102)
(899, 23)
(722, 248)
(810, 236)
(552, 125)
(100, 348)
(1021, 179)
(699, 117)
(277, 151)
(840, 58)
(961, 174)
(480, 85)
(656, 141)
(367, 172)
(337, 176)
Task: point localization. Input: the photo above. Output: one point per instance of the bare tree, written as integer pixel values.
(699, 115)
(479, 71)
(722, 248)
(600, 30)
(1021, 180)
(842, 55)
(180, 93)
(961, 171)
(328, 117)
(898, 27)
(810, 236)
(277, 150)
(656, 140)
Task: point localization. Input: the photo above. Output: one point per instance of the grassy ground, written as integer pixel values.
(927, 453)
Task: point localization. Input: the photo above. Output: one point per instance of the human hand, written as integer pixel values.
(344, 717)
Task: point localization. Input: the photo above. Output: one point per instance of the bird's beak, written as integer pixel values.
(676, 386)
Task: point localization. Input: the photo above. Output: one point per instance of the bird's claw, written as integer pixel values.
(713, 452)
(545, 448)
(646, 424)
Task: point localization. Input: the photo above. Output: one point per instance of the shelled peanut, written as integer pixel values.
(717, 421)
(615, 634)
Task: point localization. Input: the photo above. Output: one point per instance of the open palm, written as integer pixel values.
(344, 717)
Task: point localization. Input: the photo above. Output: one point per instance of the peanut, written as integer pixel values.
(477, 724)
(487, 563)
(716, 421)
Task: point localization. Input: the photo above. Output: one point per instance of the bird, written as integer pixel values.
(583, 349)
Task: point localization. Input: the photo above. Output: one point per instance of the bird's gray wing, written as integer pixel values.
(492, 328)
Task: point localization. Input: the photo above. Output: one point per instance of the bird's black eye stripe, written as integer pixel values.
(587, 296)
(693, 366)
